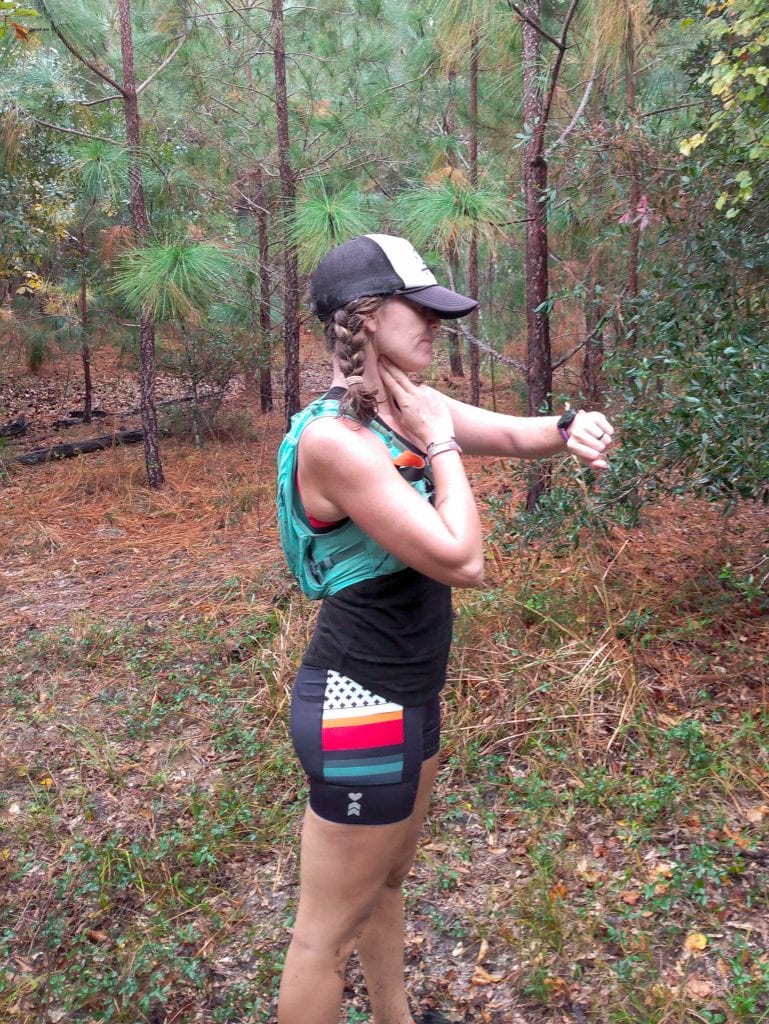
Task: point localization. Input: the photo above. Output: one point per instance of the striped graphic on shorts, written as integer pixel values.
(362, 734)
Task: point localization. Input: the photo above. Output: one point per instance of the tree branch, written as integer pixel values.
(249, 201)
(564, 359)
(461, 329)
(99, 138)
(92, 103)
(236, 10)
(530, 21)
(240, 114)
(556, 68)
(578, 114)
(77, 54)
(608, 315)
(74, 131)
(182, 39)
(678, 106)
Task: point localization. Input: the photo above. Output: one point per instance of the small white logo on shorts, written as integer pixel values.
(353, 808)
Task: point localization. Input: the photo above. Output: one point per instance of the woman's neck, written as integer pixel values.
(372, 381)
(385, 408)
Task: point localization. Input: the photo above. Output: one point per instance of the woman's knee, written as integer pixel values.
(329, 930)
(400, 868)
(326, 946)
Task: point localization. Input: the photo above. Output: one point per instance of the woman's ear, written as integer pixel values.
(370, 323)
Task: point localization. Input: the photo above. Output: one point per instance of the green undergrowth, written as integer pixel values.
(597, 849)
(149, 782)
(625, 813)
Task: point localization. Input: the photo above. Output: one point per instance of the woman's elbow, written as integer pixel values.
(456, 568)
(470, 573)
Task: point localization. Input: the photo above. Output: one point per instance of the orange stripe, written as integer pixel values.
(385, 716)
(409, 458)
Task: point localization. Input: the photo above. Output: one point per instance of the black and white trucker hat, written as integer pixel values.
(380, 265)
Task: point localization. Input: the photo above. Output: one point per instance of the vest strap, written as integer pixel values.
(318, 568)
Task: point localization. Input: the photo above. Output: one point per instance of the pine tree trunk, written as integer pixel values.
(85, 348)
(539, 361)
(265, 319)
(152, 459)
(592, 365)
(489, 293)
(455, 349)
(449, 128)
(475, 362)
(288, 196)
(634, 192)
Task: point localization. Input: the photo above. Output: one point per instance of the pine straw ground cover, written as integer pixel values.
(597, 849)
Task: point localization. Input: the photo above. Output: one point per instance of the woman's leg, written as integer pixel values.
(350, 896)
(351, 873)
(343, 871)
(380, 947)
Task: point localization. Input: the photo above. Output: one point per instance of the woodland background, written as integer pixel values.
(596, 173)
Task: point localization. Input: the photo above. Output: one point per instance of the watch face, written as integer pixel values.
(567, 418)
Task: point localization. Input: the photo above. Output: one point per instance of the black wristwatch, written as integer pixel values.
(564, 422)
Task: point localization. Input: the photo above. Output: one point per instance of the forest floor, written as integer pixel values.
(598, 846)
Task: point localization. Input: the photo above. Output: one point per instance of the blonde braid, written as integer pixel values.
(345, 336)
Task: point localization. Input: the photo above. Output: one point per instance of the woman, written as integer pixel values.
(377, 517)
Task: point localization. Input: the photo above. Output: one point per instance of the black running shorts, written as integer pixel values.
(362, 753)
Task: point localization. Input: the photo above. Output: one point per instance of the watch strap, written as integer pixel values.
(565, 420)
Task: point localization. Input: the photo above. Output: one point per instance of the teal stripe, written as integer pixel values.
(355, 770)
(386, 760)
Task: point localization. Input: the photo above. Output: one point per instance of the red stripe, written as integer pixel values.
(363, 737)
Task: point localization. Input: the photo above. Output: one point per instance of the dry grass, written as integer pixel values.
(88, 535)
(150, 640)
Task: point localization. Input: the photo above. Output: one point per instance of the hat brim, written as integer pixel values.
(450, 305)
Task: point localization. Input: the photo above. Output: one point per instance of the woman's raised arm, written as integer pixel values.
(482, 432)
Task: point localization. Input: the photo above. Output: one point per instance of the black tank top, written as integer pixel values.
(391, 634)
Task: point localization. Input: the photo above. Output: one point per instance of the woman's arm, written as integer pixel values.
(482, 432)
(347, 471)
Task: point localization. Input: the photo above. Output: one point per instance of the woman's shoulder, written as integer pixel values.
(332, 437)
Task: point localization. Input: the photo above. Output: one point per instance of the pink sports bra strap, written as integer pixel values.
(316, 524)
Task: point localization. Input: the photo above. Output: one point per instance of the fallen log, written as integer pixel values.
(75, 418)
(69, 451)
(16, 428)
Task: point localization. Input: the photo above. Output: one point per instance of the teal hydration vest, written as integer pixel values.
(326, 560)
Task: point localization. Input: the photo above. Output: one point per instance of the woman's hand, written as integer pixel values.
(590, 436)
(422, 410)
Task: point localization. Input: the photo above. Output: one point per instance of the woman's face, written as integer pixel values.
(404, 332)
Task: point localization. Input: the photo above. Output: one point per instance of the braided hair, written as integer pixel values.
(345, 337)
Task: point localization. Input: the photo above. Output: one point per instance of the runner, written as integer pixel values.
(377, 518)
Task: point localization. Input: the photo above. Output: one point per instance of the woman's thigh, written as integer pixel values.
(345, 867)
